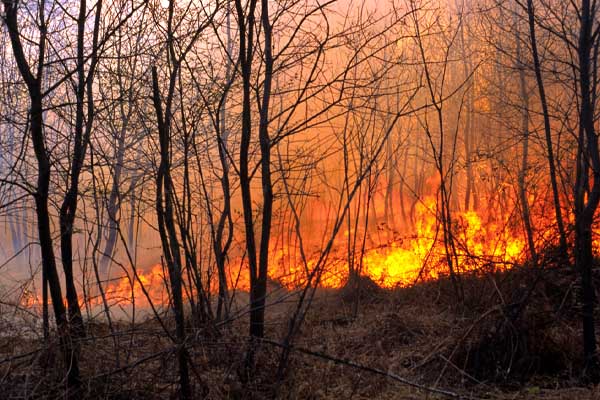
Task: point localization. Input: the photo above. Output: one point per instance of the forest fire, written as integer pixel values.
(402, 261)
(139, 288)
(405, 260)
(199, 169)
(480, 244)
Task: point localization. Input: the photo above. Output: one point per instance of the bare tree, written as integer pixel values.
(175, 53)
(33, 76)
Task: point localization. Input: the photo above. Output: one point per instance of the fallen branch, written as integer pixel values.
(353, 364)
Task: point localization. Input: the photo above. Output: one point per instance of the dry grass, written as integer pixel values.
(479, 349)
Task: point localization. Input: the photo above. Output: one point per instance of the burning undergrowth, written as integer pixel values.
(480, 243)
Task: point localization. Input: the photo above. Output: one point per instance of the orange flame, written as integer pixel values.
(479, 244)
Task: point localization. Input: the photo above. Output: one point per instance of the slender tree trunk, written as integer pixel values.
(246, 20)
(525, 213)
(470, 190)
(114, 202)
(83, 129)
(586, 201)
(132, 214)
(166, 224)
(221, 245)
(547, 131)
(258, 288)
(45, 314)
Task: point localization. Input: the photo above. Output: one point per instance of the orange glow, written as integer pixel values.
(128, 287)
(422, 255)
(481, 244)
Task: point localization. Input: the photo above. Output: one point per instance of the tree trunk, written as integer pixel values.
(43, 182)
(547, 131)
(166, 223)
(525, 214)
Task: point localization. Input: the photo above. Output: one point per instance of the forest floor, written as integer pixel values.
(506, 340)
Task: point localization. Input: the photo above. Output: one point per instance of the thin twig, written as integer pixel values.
(353, 364)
